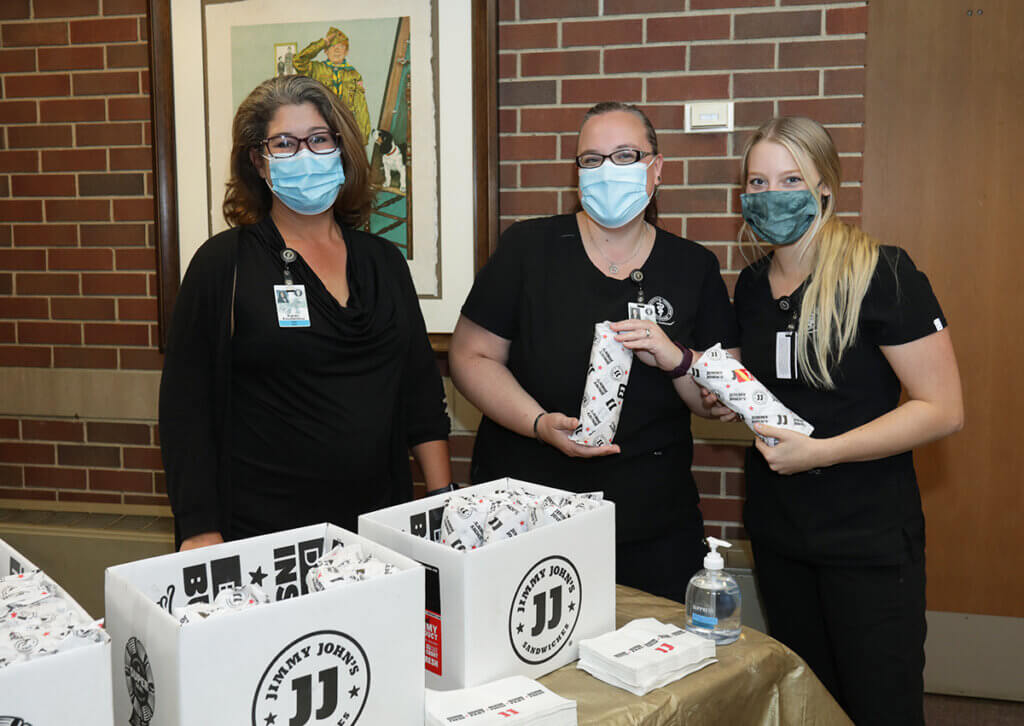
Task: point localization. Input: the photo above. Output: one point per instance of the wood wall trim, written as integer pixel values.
(87, 394)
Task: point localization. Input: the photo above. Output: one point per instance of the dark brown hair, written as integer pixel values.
(651, 212)
(248, 198)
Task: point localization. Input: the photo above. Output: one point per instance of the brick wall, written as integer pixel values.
(772, 57)
(77, 262)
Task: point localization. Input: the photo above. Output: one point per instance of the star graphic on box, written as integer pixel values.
(271, 718)
(257, 577)
(572, 607)
(353, 692)
(519, 628)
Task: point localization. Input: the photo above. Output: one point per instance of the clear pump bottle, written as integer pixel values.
(713, 599)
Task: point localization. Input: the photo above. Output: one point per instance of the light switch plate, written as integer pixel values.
(709, 116)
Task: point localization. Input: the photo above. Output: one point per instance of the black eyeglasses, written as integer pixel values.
(284, 145)
(619, 157)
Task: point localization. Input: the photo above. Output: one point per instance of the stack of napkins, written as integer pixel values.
(645, 654)
(517, 700)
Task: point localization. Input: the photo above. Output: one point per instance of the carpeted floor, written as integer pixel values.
(960, 711)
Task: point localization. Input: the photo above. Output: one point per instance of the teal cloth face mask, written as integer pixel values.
(780, 217)
(614, 195)
(307, 183)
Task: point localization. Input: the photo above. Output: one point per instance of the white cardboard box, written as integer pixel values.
(515, 607)
(347, 655)
(65, 688)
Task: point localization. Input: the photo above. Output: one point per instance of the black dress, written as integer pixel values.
(541, 292)
(275, 427)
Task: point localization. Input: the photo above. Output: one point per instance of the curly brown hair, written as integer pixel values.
(248, 199)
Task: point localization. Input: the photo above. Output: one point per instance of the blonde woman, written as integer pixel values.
(836, 325)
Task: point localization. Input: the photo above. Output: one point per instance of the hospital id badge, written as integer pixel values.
(785, 355)
(292, 310)
(641, 311)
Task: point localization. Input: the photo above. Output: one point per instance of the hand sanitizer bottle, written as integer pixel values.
(713, 599)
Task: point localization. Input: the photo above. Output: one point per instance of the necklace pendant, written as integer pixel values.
(614, 269)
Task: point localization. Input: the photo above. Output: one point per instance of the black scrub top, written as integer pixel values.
(542, 292)
(851, 513)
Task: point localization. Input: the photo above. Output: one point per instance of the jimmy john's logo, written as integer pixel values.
(545, 609)
(138, 674)
(320, 678)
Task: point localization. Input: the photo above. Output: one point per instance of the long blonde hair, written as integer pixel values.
(843, 256)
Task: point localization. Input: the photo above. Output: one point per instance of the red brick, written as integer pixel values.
(126, 109)
(713, 171)
(508, 65)
(511, 148)
(113, 235)
(822, 53)
(602, 33)
(78, 109)
(137, 309)
(139, 158)
(96, 259)
(124, 7)
(532, 35)
(508, 175)
(507, 9)
(107, 30)
(8, 332)
(516, 203)
(142, 458)
(113, 284)
(508, 121)
(17, 60)
(116, 334)
(18, 112)
(102, 83)
(21, 210)
(686, 28)
(84, 358)
(52, 477)
(826, 110)
(772, 84)
(19, 161)
(595, 90)
(673, 173)
(557, 174)
(53, 430)
(666, 117)
(848, 139)
(17, 453)
(109, 134)
(713, 229)
(47, 284)
(33, 34)
(77, 210)
(10, 476)
(708, 482)
(845, 21)
(70, 58)
(25, 356)
(644, 59)
(735, 484)
(536, 9)
(118, 433)
(9, 428)
(33, 494)
(41, 136)
(22, 259)
(778, 25)
(136, 259)
(128, 56)
(526, 93)
(37, 86)
(723, 455)
(150, 360)
(122, 481)
(632, 7)
(132, 210)
(43, 185)
(46, 332)
(24, 307)
(693, 200)
(157, 500)
(551, 119)
(684, 145)
(64, 8)
(77, 308)
(731, 56)
(752, 113)
(722, 510)
(75, 160)
(716, 4)
(560, 63)
(848, 81)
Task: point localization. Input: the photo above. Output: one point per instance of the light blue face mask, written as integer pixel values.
(780, 217)
(614, 195)
(307, 183)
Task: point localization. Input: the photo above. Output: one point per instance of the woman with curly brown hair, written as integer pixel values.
(298, 373)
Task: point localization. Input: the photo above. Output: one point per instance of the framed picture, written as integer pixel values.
(401, 66)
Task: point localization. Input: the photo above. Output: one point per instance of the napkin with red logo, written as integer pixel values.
(517, 699)
(737, 388)
(604, 390)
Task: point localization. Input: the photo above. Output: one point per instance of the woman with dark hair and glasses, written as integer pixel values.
(298, 373)
(522, 345)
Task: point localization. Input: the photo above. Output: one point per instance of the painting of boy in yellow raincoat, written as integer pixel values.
(336, 73)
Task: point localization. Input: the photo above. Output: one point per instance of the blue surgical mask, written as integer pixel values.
(307, 183)
(780, 217)
(614, 195)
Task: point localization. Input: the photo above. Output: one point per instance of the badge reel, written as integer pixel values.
(292, 307)
(640, 310)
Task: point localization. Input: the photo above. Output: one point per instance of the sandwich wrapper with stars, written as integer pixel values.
(607, 376)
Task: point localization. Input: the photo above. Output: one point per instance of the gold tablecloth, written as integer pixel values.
(757, 681)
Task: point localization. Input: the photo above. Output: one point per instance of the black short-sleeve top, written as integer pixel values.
(852, 512)
(542, 293)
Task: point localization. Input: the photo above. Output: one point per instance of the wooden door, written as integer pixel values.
(944, 178)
